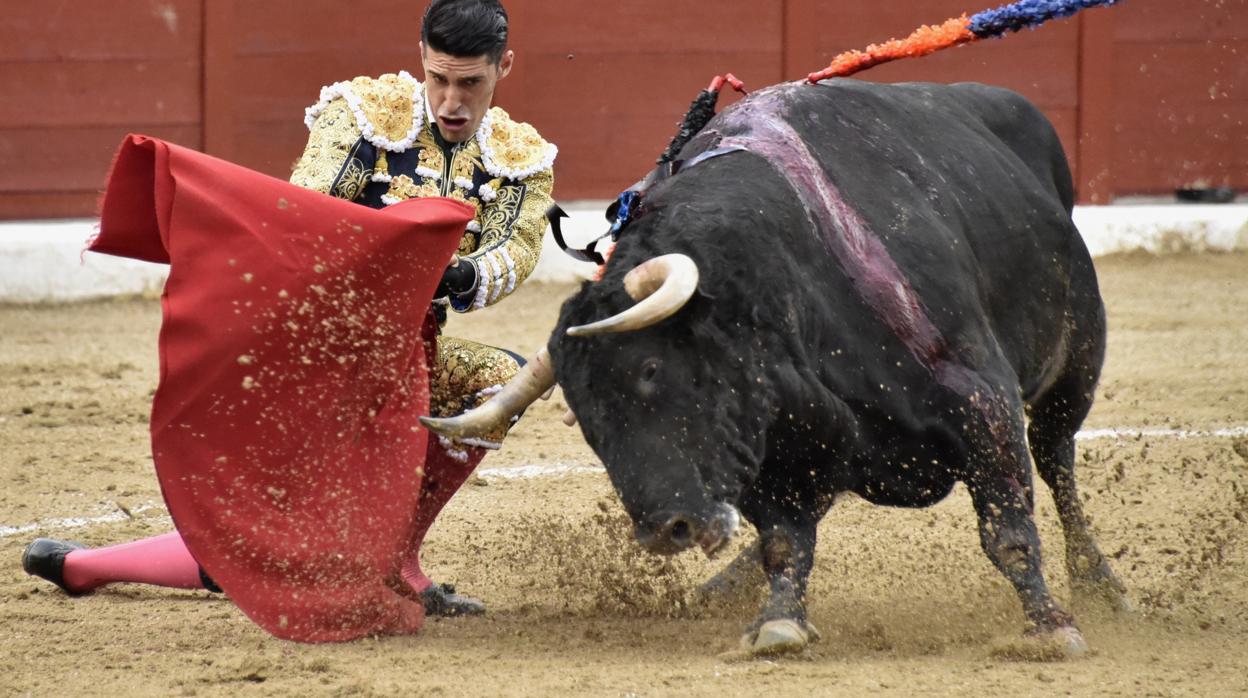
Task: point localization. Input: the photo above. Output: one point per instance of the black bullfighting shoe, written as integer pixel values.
(45, 558)
(441, 600)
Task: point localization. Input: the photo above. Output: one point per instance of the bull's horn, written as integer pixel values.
(661, 287)
(535, 378)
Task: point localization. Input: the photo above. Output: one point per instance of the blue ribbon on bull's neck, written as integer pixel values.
(627, 205)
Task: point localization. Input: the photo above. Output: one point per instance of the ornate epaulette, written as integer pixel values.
(389, 110)
(513, 149)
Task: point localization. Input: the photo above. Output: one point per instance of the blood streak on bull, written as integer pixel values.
(766, 131)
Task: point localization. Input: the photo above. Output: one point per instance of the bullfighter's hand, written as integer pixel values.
(459, 279)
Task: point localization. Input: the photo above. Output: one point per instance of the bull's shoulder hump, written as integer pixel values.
(994, 104)
(957, 98)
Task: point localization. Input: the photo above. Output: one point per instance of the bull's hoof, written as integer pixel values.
(777, 637)
(1057, 645)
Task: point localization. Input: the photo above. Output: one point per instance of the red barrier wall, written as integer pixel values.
(74, 78)
(1148, 96)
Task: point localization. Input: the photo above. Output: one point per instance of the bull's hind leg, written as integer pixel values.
(1090, 575)
(1001, 491)
(1008, 535)
(1055, 418)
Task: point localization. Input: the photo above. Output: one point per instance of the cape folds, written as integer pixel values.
(292, 372)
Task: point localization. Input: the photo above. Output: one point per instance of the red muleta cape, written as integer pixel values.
(292, 373)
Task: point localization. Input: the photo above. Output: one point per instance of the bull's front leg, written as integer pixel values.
(787, 551)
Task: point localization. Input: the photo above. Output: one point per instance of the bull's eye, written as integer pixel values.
(649, 369)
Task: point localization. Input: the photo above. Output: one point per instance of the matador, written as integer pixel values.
(379, 141)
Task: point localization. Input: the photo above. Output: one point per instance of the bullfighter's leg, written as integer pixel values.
(465, 375)
(787, 552)
(1055, 419)
(1002, 493)
(161, 561)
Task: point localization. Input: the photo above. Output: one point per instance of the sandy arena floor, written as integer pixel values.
(907, 602)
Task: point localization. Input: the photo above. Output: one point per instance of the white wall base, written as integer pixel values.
(43, 261)
(1163, 228)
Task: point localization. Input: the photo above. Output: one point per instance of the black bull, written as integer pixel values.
(889, 284)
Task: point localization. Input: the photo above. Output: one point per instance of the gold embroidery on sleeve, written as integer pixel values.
(332, 138)
(511, 237)
(498, 217)
(464, 369)
(353, 177)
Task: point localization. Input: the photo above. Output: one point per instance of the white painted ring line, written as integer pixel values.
(78, 522)
(529, 472)
(1122, 434)
(524, 472)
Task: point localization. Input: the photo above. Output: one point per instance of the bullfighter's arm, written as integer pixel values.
(512, 227)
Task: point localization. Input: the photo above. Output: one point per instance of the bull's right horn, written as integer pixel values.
(533, 379)
(661, 287)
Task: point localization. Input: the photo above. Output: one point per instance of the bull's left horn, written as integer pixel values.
(661, 287)
(535, 378)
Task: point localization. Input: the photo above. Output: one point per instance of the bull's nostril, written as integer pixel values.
(680, 532)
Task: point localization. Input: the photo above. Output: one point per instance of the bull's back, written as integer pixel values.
(1024, 130)
(968, 188)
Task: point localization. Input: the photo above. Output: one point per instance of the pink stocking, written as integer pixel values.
(162, 560)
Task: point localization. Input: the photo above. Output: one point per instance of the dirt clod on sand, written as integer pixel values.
(906, 601)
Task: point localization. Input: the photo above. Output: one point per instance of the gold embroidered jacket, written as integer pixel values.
(372, 141)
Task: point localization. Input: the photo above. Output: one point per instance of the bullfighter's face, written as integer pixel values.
(668, 412)
(460, 90)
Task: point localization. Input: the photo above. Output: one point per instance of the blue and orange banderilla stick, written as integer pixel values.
(955, 32)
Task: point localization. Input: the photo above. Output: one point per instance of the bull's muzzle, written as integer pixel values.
(676, 532)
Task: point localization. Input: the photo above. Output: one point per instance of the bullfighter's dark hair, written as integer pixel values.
(466, 28)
